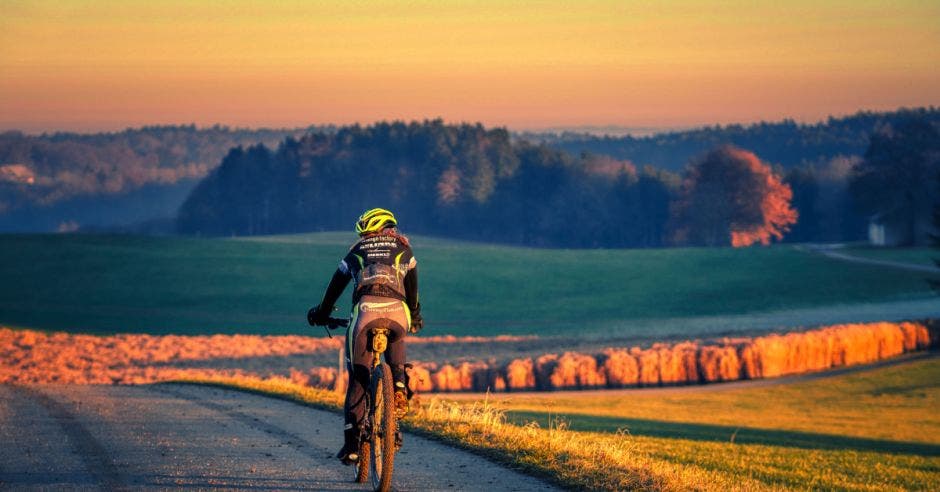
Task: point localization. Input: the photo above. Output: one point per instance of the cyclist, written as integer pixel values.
(385, 276)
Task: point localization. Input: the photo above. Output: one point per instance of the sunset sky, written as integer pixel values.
(106, 65)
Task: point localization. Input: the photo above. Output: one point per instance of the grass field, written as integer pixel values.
(107, 284)
(873, 430)
(917, 256)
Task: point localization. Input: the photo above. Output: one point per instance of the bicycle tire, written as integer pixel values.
(362, 467)
(382, 438)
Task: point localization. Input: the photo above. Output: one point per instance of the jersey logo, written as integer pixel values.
(380, 307)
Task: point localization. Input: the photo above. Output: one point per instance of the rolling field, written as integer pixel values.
(108, 284)
(873, 430)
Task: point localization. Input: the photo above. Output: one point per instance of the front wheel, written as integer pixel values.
(384, 428)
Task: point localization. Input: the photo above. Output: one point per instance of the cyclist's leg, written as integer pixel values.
(395, 354)
(357, 361)
(395, 357)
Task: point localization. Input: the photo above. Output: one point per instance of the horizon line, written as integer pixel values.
(594, 129)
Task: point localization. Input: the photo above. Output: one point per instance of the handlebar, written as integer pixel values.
(334, 323)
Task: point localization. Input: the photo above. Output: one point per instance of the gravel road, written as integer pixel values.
(184, 436)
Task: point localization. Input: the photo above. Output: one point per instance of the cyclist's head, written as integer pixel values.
(374, 221)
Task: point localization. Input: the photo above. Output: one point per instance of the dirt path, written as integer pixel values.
(183, 436)
(699, 388)
(834, 251)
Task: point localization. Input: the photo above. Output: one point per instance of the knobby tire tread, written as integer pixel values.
(365, 460)
(385, 407)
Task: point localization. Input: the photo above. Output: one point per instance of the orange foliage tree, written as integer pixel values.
(729, 197)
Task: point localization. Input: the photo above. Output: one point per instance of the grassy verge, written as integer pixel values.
(896, 403)
(873, 430)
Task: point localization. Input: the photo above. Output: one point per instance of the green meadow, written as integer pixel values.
(118, 283)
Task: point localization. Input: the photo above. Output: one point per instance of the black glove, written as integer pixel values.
(317, 316)
(416, 322)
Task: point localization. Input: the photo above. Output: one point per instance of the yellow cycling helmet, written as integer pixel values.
(374, 221)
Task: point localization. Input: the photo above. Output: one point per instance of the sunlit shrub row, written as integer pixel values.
(35, 357)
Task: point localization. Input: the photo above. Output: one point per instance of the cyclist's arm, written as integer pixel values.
(411, 290)
(338, 284)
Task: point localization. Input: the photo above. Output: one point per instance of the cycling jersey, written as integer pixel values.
(380, 265)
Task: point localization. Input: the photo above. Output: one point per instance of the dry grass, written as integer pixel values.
(573, 459)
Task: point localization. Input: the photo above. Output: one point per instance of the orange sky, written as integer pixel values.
(93, 65)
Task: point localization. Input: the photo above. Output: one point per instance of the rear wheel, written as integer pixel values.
(382, 439)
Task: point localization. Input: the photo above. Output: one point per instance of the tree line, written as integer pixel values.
(461, 181)
(466, 181)
(785, 143)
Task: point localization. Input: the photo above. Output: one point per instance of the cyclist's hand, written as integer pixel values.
(416, 323)
(317, 316)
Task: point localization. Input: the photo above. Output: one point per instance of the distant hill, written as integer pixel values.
(74, 180)
(785, 143)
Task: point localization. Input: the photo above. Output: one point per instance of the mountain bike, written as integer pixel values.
(379, 438)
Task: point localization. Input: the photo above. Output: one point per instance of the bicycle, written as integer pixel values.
(379, 437)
